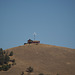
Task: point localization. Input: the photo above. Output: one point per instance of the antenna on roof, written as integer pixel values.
(34, 35)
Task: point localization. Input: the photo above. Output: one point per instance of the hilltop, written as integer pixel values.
(47, 59)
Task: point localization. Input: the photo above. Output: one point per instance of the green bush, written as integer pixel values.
(5, 67)
(9, 65)
(30, 69)
(13, 60)
(2, 59)
(11, 53)
(7, 58)
(1, 51)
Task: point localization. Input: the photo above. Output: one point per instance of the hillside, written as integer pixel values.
(43, 58)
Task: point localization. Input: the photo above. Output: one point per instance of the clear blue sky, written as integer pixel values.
(52, 20)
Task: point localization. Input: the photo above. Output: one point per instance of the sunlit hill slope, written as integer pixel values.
(46, 59)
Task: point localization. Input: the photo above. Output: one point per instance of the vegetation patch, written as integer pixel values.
(29, 71)
(5, 59)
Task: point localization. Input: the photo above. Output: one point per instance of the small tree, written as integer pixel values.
(5, 67)
(7, 58)
(13, 61)
(1, 51)
(1, 59)
(9, 65)
(11, 53)
(29, 70)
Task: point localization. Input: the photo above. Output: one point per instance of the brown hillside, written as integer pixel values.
(43, 58)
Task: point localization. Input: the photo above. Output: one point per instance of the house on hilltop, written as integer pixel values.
(35, 41)
(32, 41)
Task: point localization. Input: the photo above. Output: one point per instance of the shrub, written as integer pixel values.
(11, 53)
(13, 60)
(2, 59)
(7, 58)
(9, 65)
(1, 51)
(5, 67)
(30, 69)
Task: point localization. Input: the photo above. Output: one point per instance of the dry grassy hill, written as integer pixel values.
(43, 58)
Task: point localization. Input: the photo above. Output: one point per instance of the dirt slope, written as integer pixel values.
(43, 58)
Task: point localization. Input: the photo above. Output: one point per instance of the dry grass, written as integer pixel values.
(43, 58)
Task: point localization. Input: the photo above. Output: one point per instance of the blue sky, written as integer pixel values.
(52, 20)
